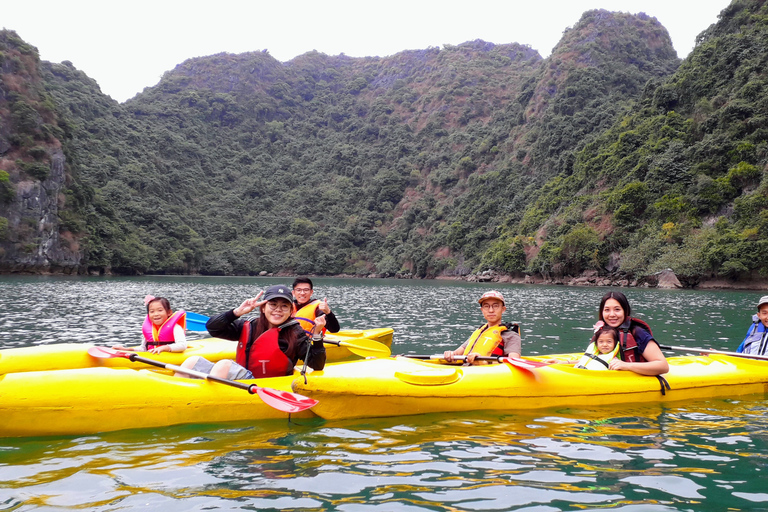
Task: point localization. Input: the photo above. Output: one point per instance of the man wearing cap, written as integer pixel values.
(492, 338)
(268, 345)
(756, 341)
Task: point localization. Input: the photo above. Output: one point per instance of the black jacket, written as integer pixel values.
(228, 326)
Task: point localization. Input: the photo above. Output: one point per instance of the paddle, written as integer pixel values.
(280, 400)
(520, 363)
(196, 322)
(363, 347)
(721, 352)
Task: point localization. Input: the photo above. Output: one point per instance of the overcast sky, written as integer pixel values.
(127, 45)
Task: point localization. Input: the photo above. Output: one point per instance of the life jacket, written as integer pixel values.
(756, 341)
(594, 360)
(306, 316)
(629, 351)
(163, 335)
(262, 355)
(488, 341)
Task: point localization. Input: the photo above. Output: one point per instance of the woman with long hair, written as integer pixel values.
(268, 345)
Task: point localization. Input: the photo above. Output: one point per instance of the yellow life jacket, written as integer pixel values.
(594, 360)
(306, 316)
(486, 341)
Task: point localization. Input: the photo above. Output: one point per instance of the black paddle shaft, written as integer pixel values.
(721, 352)
(251, 388)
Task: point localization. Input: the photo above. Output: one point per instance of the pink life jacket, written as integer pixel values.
(163, 335)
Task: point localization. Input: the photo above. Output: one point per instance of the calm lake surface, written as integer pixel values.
(703, 455)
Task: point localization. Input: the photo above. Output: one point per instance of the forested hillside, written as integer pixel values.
(605, 156)
(680, 181)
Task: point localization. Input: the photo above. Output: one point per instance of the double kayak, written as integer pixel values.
(402, 386)
(98, 399)
(62, 356)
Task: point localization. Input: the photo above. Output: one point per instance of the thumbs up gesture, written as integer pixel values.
(324, 307)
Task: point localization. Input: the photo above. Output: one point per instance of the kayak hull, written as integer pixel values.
(62, 356)
(401, 386)
(90, 400)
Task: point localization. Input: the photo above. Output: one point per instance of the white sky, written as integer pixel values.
(127, 45)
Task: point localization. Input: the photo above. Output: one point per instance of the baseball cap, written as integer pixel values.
(763, 300)
(278, 291)
(493, 294)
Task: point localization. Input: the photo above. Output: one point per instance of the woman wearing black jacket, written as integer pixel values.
(269, 345)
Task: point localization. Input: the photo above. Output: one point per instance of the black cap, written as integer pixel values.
(278, 291)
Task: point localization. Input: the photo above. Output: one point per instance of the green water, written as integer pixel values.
(705, 455)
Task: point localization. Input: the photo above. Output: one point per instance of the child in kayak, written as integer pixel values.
(603, 348)
(493, 338)
(163, 329)
(756, 340)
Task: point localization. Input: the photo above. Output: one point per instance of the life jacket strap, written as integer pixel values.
(664, 384)
(601, 361)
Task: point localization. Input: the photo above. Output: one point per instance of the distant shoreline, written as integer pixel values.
(587, 279)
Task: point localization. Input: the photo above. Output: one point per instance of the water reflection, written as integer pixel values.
(651, 455)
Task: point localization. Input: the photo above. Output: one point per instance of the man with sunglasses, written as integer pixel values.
(493, 338)
(307, 310)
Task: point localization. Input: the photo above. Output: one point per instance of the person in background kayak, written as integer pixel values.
(756, 340)
(639, 351)
(307, 309)
(603, 348)
(268, 345)
(163, 329)
(492, 338)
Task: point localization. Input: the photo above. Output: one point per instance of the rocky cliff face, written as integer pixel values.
(37, 242)
(33, 177)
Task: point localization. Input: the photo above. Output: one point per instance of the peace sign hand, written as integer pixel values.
(249, 305)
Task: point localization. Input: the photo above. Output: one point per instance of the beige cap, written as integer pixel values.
(493, 294)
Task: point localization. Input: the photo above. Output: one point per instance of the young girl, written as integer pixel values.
(163, 329)
(603, 349)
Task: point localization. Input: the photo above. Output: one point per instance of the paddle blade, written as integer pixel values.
(367, 348)
(106, 353)
(284, 400)
(524, 363)
(196, 322)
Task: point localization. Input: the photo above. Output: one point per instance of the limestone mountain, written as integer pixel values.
(426, 162)
(680, 181)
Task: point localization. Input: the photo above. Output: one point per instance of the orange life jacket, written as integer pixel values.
(306, 316)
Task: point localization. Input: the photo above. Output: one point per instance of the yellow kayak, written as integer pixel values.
(90, 400)
(400, 386)
(62, 356)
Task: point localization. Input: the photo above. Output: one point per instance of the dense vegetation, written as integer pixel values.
(680, 181)
(609, 155)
